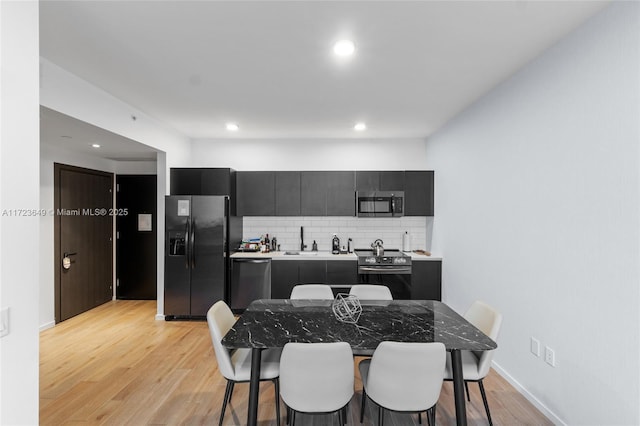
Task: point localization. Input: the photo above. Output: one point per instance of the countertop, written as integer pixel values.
(321, 255)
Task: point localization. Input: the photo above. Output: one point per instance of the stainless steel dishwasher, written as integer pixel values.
(250, 280)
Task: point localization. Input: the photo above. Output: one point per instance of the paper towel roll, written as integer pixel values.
(406, 242)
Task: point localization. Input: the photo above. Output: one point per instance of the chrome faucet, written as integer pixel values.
(302, 244)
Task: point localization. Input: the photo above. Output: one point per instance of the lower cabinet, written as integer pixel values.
(426, 280)
(287, 273)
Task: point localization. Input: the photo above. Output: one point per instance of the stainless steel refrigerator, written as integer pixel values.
(198, 234)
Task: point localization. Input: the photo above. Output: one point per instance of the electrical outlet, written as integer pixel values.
(549, 356)
(535, 346)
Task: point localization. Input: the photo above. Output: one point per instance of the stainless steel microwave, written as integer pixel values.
(380, 204)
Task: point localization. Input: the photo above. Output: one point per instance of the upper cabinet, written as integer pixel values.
(380, 180)
(287, 190)
(327, 193)
(256, 194)
(304, 193)
(418, 193)
(204, 181)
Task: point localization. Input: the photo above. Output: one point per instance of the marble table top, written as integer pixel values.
(271, 323)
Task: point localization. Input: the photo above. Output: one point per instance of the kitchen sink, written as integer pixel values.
(300, 253)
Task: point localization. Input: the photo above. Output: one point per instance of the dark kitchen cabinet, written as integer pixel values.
(426, 280)
(341, 194)
(367, 181)
(287, 273)
(185, 181)
(204, 181)
(255, 193)
(391, 180)
(313, 195)
(418, 193)
(284, 275)
(312, 271)
(342, 272)
(287, 193)
(327, 193)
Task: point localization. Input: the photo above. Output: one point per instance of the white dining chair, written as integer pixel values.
(405, 377)
(311, 291)
(476, 365)
(371, 292)
(235, 365)
(316, 378)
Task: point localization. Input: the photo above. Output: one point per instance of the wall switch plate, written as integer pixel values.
(4, 322)
(535, 346)
(549, 356)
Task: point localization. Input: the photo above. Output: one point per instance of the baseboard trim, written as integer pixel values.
(47, 325)
(528, 395)
(159, 317)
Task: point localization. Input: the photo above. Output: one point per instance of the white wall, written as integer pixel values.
(19, 128)
(537, 213)
(310, 154)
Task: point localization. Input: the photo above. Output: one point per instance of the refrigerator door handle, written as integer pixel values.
(187, 231)
(193, 244)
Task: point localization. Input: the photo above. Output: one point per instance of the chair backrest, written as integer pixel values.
(406, 376)
(311, 291)
(371, 292)
(220, 320)
(316, 377)
(488, 320)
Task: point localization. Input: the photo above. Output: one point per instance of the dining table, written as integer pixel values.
(272, 323)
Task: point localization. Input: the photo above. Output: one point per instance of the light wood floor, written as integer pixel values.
(117, 365)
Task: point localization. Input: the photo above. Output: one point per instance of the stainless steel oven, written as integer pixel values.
(393, 269)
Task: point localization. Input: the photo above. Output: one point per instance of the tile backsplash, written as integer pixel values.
(363, 231)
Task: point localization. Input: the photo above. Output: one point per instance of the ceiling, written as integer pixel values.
(269, 66)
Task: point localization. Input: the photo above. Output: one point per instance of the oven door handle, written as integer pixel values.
(384, 270)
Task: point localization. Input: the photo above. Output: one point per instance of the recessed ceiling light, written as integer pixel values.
(360, 127)
(95, 145)
(344, 48)
(232, 127)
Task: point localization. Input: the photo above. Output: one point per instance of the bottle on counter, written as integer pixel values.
(335, 245)
(349, 245)
(274, 244)
(267, 244)
(314, 246)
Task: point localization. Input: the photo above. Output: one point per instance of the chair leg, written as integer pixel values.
(420, 418)
(364, 400)
(276, 383)
(343, 411)
(380, 416)
(288, 415)
(293, 417)
(227, 398)
(484, 400)
(466, 388)
(432, 416)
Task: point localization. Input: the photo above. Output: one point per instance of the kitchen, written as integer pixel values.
(522, 173)
(319, 208)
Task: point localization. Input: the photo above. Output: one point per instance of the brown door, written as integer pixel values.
(83, 239)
